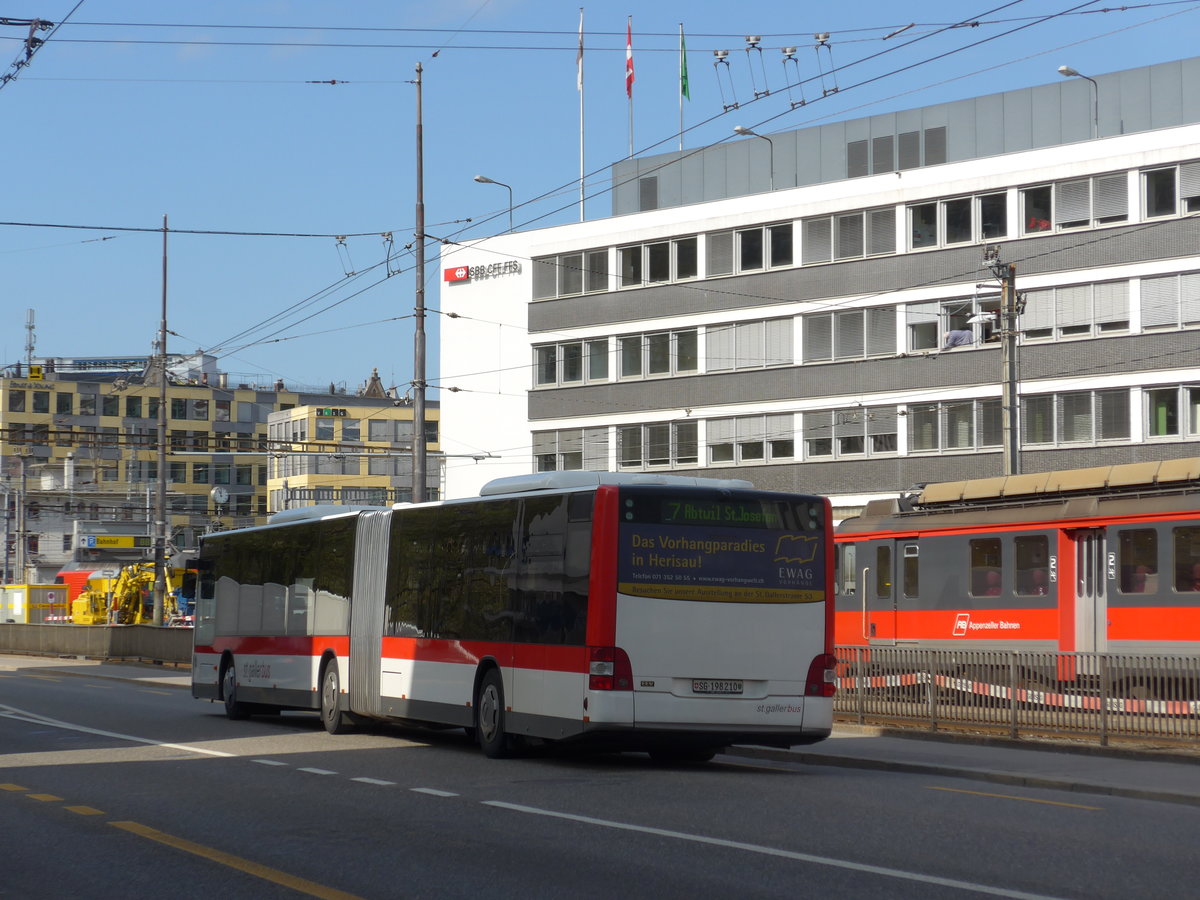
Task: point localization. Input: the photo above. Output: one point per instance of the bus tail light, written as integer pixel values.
(822, 676)
(609, 670)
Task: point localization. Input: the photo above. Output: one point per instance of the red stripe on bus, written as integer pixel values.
(292, 645)
(602, 579)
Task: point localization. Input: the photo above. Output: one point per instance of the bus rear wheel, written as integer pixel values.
(489, 716)
(332, 717)
(234, 708)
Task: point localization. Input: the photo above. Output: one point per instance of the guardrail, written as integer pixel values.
(144, 642)
(1096, 695)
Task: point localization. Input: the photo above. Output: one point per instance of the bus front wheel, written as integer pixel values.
(489, 716)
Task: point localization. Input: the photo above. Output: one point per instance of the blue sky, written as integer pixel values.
(203, 112)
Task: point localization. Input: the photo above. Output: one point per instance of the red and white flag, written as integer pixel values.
(629, 58)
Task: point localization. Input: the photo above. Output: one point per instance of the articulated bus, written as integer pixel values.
(667, 614)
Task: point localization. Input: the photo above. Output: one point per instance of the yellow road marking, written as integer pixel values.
(164, 693)
(103, 687)
(1012, 797)
(235, 862)
(85, 810)
(12, 787)
(45, 798)
(42, 677)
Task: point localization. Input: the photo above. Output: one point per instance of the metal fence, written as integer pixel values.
(1101, 696)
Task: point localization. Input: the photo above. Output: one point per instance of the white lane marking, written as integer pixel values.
(35, 719)
(774, 851)
(378, 781)
(316, 771)
(433, 792)
(268, 762)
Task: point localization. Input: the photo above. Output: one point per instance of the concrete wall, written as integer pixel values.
(144, 642)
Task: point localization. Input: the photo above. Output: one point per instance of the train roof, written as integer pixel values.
(1061, 494)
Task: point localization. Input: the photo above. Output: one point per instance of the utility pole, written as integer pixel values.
(160, 499)
(1010, 396)
(418, 447)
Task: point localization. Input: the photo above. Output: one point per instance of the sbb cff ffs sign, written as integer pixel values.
(469, 273)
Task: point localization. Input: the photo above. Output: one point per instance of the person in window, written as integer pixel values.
(959, 337)
(992, 584)
(1192, 581)
(1037, 583)
(1138, 580)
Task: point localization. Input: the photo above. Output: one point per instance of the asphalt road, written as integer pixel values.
(118, 789)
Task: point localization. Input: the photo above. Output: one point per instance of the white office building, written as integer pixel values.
(813, 312)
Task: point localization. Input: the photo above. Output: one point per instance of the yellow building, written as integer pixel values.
(79, 455)
(348, 455)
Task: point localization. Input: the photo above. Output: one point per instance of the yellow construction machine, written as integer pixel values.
(127, 599)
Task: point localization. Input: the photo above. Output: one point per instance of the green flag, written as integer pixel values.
(683, 79)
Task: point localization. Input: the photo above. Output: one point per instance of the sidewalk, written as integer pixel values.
(1164, 774)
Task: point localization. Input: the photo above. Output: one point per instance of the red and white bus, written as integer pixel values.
(669, 614)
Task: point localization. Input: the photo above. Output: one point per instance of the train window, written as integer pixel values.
(1187, 558)
(847, 568)
(911, 580)
(883, 572)
(1032, 572)
(985, 567)
(1137, 561)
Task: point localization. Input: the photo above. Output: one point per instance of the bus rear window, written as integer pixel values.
(653, 508)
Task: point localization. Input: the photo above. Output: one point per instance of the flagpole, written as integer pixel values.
(629, 77)
(579, 61)
(682, 75)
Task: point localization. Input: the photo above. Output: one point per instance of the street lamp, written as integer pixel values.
(1068, 72)
(738, 129)
(483, 179)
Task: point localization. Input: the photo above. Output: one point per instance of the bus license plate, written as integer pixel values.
(711, 686)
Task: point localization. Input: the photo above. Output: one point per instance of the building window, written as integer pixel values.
(658, 262)
(64, 404)
(110, 405)
(1171, 301)
(1082, 310)
(571, 449)
(751, 439)
(653, 355)
(16, 401)
(570, 274)
(952, 323)
(749, 345)
(850, 433)
(133, 407)
(177, 472)
(658, 445)
(41, 402)
(1036, 215)
(850, 334)
(1160, 192)
(954, 425)
(757, 248)
(1075, 417)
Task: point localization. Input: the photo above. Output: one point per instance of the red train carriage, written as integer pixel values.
(1104, 560)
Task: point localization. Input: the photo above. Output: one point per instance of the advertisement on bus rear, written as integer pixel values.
(722, 565)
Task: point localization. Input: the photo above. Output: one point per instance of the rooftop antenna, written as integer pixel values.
(822, 40)
(720, 59)
(30, 336)
(752, 42)
(789, 56)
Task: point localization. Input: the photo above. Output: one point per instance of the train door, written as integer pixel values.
(1091, 599)
(878, 585)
